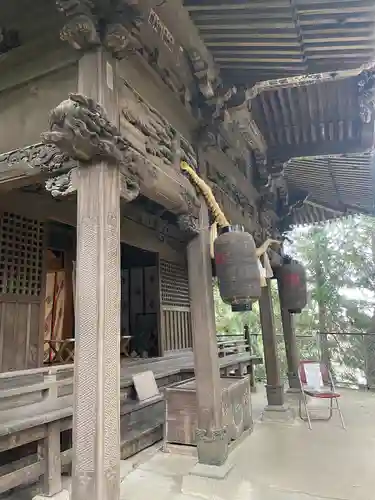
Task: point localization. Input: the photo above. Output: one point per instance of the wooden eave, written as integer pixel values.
(260, 40)
(341, 183)
(314, 118)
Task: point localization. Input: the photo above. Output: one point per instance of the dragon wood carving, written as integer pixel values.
(80, 129)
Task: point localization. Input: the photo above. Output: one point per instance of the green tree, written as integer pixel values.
(340, 263)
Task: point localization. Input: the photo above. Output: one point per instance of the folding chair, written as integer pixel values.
(317, 382)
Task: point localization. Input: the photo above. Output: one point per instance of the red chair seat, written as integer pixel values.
(322, 394)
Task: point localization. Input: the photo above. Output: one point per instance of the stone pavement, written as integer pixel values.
(279, 461)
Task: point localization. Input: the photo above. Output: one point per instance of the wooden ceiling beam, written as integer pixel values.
(258, 25)
(344, 55)
(250, 35)
(272, 70)
(324, 20)
(340, 9)
(201, 7)
(259, 60)
(353, 30)
(344, 46)
(253, 43)
(277, 14)
(338, 40)
(270, 53)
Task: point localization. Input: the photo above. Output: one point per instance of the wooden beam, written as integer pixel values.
(166, 186)
(32, 61)
(220, 6)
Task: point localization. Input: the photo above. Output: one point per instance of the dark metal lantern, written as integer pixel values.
(237, 267)
(292, 279)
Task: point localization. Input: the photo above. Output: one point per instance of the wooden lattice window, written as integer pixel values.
(21, 255)
(174, 285)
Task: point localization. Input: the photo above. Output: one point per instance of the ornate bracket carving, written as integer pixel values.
(129, 189)
(204, 74)
(80, 128)
(81, 30)
(366, 95)
(34, 159)
(241, 115)
(62, 185)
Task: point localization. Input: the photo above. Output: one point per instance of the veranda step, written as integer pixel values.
(141, 437)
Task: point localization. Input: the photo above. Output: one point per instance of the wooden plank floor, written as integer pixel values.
(175, 363)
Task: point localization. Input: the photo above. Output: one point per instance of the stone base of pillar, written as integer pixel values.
(62, 495)
(212, 450)
(277, 413)
(212, 471)
(292, 396)
(275, 395)
(291, 390)
(293, 381)
(203, 479)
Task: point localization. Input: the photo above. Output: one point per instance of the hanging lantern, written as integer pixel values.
(237, 269)
(242, 307)
(292, 280)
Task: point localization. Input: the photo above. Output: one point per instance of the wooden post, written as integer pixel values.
(49, 450)
(51, 454)
(96, 421)
(291, 348)
(274, 388)
(212, 440)
(250, 368)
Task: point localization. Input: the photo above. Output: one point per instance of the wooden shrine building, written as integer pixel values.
(105, 238)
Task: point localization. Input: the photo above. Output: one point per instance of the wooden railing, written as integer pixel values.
(231, 344)
(35, 408)
(176, 329)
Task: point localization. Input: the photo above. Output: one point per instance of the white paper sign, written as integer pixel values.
(313, 375)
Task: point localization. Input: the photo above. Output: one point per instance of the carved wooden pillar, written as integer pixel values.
(291, 348)
(274, 388)
(96, 422)
(84, 127)
(212, 440)
(96, 440)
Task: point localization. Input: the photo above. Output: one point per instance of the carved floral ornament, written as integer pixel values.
(45, 157)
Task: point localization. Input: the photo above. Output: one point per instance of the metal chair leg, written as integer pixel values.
(340, 413)
(306, 410)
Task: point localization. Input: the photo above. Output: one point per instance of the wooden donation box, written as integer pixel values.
(182, 409)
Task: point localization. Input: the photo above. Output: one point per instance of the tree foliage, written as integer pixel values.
(339, 258)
